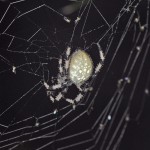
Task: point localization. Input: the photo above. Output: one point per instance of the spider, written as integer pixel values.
(75, 68)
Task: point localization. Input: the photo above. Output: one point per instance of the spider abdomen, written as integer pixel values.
(80, 67)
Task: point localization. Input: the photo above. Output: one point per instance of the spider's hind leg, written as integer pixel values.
(101, 59)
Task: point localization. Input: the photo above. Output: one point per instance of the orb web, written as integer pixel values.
(34, 35)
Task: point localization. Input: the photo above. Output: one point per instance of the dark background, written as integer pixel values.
(137, 136)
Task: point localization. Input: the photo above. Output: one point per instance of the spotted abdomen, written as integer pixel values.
(80, 67)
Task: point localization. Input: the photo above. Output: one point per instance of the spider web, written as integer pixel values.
(34, 35)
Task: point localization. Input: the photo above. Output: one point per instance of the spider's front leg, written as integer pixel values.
(68, 51)
(61, 78)
(58, 85)
(63, 69)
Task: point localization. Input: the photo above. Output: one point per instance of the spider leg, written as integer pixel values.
(68, 51)
(50, 89)
(102, 58)
(59, 96)
(62, 76)
(75, 101)
(60, 66)
(59, 81)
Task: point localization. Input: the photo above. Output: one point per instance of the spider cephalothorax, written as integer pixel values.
(75, 69)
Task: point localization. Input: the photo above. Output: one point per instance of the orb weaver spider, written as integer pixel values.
(75, 68)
